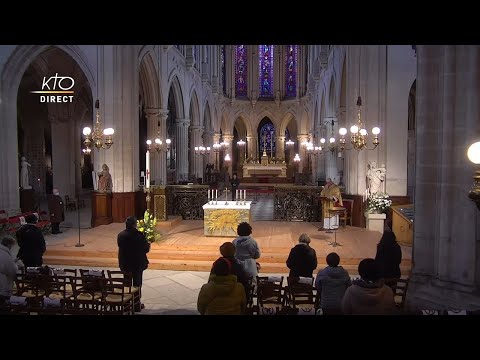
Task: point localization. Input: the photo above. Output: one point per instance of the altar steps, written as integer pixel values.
(195, 258)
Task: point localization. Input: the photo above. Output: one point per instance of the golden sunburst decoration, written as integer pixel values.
(223, 220)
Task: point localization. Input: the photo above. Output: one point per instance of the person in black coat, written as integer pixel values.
(389, 257)
(31, 243)
(235, 183)
(302, 259)
(132, 251)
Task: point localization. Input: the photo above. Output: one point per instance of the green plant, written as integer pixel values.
(147, 227)
(378, 202)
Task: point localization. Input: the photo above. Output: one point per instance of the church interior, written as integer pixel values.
(121, 129)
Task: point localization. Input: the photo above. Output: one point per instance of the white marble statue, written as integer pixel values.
(24, 172)
(375, 177)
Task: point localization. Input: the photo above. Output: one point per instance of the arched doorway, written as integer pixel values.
(49, 133)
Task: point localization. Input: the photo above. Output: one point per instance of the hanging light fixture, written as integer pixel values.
(102, 139)
(359, 134)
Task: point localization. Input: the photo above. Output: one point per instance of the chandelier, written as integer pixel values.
(102, 139)
(359, 134)
(159, 145)
(202, 150)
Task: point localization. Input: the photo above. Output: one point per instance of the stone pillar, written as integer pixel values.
(302, 152)
(280, 149)
(181, 148)
(152, 133)
(331, 170)
(118, 93)
(162, 156)
(208, 141)
(446, 264)
(216, 155)
(251, 147)
(196, 160)
(229, 139)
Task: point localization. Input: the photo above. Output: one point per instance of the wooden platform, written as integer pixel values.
(184, 247)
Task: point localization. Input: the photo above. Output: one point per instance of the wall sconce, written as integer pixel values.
(473, 154)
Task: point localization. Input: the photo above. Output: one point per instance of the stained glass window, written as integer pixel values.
(265, 66)
(241, 70)
(291, 71)
(267, 138)
(222, 59)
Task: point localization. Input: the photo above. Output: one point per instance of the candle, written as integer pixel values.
(148, 170)
(244, 194)
(236, 195)
(216, 194)
(208, 195)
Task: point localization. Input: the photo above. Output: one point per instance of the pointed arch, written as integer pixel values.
(149, 82)
(207, 118)
(174, 86)
(194, 110)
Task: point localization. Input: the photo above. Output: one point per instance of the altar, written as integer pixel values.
(222, 219)
(252, 169)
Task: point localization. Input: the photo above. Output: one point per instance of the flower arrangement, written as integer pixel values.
(378, 203)
(147, 227)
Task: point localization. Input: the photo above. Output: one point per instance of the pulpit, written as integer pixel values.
(402, 223)
(101, 208)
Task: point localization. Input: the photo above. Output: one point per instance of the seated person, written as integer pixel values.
(222, 295)
(369, 295)
(302, 259)
(331, 284)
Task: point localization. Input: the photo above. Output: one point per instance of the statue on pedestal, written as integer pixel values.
(24, 178)
(105, 183)
(375, 177)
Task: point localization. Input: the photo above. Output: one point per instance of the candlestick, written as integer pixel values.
(216, 195)
(147, 172)
(208, 196)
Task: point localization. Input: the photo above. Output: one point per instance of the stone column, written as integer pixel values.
(251, 146)
(280, 147)
(229, 139)
(152, 133)
(181, 148)
(197, 160)
(302, 152)
(208, 141)
(162, 156)
(446, 265)
(216, 156)
(331, 170)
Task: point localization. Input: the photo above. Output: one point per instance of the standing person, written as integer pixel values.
(132, 253)
(389, 257)
(302, 259)
(57, 211)
(332, 196)
(246, 250)
(369, 295)
(331, 284)
(8, 268)
(222, 295)
(235, 183)
(31, 242)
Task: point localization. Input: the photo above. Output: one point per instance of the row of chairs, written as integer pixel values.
(68, 291)
(11, 224)
(298, 297)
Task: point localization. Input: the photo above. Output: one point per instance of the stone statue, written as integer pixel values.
(105, 183)
(24, 178)
(375, 177)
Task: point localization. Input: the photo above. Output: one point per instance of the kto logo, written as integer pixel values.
(56, 85)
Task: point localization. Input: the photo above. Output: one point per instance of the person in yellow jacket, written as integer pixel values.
(222, 295)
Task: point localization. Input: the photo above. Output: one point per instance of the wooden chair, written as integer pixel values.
(300, 296)
(127, 279)
(70, 204)
(270, 295)
(347, 215)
